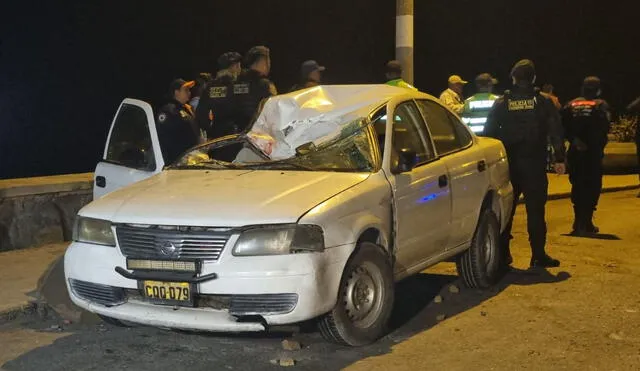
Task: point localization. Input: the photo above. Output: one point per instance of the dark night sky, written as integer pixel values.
(66, 65)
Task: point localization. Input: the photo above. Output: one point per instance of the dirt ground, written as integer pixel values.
(584, 315)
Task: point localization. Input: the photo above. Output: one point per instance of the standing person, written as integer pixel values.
(586, 121)
(394, 76)
(634, 108)
(310, 75)
(477, 107)
(217, 109)
(523, 119)
(452, 97)
(177, 129)
(253, 85)
(547, 91)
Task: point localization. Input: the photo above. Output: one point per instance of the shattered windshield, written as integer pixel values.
(349, 150)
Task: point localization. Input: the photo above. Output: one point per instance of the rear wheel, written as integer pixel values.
(479, 266)
(365, 299)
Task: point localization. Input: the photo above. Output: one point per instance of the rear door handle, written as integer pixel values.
(101, 181)
(443, 181)
(482, 165)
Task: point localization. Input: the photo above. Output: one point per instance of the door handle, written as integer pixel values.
(101, 181)
(482, 165)
(443, 181)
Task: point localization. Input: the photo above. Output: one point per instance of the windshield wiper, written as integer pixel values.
(211, 164)
(281, 162)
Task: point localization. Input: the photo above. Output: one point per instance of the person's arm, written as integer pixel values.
(494, 120)
(556, 133)
(605, 123)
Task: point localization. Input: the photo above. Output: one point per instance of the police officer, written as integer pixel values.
(477, 107)
(523, 119)
(217, 110)
(253, 85)
(394, 76)
(177, 129)
(586, 121)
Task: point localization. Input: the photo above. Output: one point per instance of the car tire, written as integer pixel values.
(114, 322)
(365, 299)
(480, 265)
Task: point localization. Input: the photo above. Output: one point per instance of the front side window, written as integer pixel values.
(448, 133)
(409, 132)
(130, 142)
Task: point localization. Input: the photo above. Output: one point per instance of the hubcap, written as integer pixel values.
(363, 295)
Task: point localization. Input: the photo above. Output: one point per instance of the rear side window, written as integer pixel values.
(130, 142)
(448, 133)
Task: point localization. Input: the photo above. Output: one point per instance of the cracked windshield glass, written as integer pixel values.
(347, 150)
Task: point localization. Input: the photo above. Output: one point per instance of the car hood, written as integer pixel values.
(221, 198)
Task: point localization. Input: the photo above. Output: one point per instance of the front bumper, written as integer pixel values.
(314, 278)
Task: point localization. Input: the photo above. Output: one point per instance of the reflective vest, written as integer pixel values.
(400, 83)
(476, 109)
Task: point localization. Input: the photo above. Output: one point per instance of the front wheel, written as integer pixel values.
(365, 299)
(479, 266)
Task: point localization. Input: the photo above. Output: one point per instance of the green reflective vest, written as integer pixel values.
(476, 109)
(400, 83)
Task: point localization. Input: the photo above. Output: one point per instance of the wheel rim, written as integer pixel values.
(363, 295)
(490, 250)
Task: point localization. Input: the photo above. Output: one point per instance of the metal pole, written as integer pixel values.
(404, 38)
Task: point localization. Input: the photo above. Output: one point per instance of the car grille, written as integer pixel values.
(262, 304)
(97, 293)
(182, 243)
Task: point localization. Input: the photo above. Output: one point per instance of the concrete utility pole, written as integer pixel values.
(404, 38)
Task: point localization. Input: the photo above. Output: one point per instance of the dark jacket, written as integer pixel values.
(216, 111)
(586, 124)
(249, 91)
(177, 130)
(524, 120)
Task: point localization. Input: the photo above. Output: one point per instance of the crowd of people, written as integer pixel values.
(527, 120)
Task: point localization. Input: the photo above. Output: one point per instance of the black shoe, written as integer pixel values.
(591, 228)
(544, 262)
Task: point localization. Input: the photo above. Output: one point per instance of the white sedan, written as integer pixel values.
(335, 194)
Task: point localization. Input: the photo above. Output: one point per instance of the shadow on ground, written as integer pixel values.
(596, 236)
(103, 347)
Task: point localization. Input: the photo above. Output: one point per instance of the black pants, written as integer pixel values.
(585, 175)
(529, 177)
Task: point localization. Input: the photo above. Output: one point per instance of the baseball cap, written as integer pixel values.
(179, 83)
(310, 66)
(228, 59)
(591, 82)
(455, 79)
(254, 53)
(524, 70)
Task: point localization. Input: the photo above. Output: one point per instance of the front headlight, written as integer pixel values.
(94, 231)
(279, 240)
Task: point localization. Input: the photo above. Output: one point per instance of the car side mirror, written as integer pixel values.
(407, 160)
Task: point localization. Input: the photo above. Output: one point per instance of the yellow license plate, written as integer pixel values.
(167, 291)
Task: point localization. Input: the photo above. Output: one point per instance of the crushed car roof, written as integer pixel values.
(314, 114)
